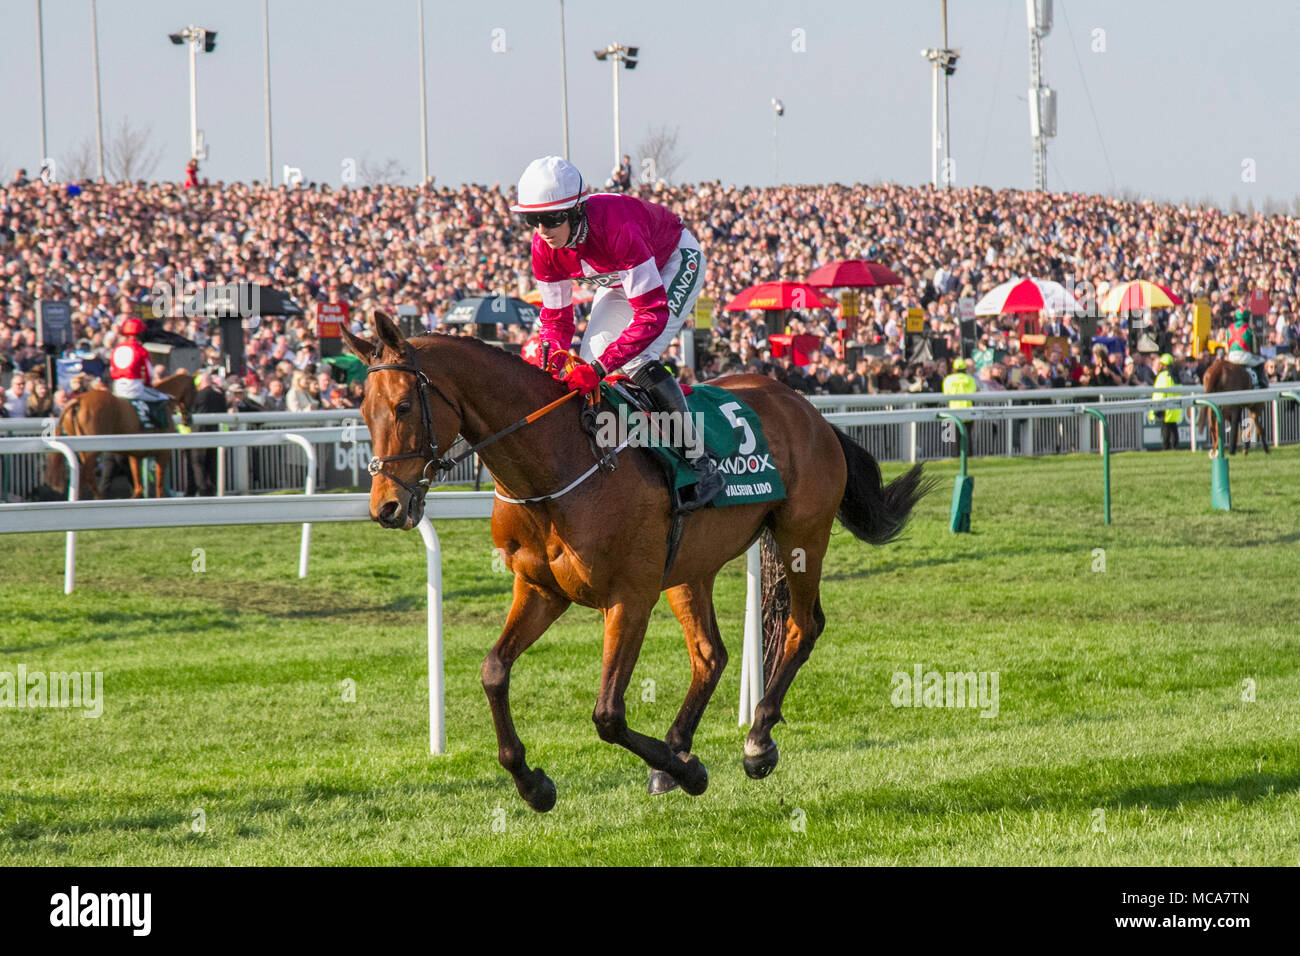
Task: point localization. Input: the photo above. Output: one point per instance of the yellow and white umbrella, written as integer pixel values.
(1137, 295)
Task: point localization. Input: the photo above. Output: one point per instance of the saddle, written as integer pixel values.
(637, 398)
(731, 434)
(154, 416)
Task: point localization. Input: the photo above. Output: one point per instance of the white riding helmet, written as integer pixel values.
(548, 184)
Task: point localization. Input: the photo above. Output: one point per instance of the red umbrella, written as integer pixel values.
(781, 295)
(853, 274)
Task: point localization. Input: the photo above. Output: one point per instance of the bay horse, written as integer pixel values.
(602, 542)
(100, 412)
(1225, 376)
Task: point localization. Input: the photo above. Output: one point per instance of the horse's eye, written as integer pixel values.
(403, 408)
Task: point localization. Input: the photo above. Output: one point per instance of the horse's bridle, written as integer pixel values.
(431, 457)
(417, 491)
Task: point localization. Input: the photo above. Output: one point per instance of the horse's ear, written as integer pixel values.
(361, 348)
(388, 332)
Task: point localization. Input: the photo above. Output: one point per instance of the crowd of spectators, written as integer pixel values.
(103, 247)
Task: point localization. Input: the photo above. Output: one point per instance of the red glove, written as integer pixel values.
(584, 378)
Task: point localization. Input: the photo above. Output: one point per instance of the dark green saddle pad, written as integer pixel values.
(732, 433)
(153, 416)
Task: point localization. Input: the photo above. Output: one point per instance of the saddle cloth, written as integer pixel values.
(153, 415)
(732, 432)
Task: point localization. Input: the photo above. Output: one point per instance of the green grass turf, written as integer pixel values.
(1120, 695)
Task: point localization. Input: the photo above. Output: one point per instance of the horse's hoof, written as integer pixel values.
(540, 792)
(661, 782)
(693, 776)
(759, 765)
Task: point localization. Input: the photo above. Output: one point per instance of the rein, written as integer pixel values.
(376, 465)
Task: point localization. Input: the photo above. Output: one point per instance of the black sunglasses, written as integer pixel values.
(548, 220)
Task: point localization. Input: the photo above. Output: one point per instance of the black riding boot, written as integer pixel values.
(667, 396)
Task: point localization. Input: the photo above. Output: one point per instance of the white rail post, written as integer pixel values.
(74, 494)
(221, 465)
(305, 551)
(751, 661)
(433, 557)
(353, 458)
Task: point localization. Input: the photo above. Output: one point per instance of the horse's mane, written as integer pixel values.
(516, 363)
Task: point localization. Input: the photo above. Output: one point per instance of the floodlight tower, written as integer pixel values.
(627, 55)
(199, 41)
(1042, 98)
(946, 60)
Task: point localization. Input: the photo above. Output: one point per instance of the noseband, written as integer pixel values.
(430, 456)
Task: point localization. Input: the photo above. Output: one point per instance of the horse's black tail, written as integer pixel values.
(875, 512)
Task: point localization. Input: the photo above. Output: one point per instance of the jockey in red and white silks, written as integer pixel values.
(129, 366)
(649, 269)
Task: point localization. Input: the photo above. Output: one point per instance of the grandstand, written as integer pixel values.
(105, 249)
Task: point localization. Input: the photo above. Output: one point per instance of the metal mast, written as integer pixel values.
(943, 59)
(564, 84)
(424, 110)
(1042, 98)
(950, 64)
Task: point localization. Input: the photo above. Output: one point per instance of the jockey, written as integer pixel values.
(1241, 347)
(129, 363)
(649, 269)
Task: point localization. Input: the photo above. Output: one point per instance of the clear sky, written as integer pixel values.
(1183, 93)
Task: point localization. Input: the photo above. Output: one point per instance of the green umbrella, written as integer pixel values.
(349, 366)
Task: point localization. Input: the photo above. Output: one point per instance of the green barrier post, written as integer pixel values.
(1105, 458)
(963, 488)
(1220, 489)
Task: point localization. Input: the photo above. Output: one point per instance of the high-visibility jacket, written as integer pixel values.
(1165, 380)
(959, 383)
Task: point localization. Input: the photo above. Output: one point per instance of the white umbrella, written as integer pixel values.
(1028, 295)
